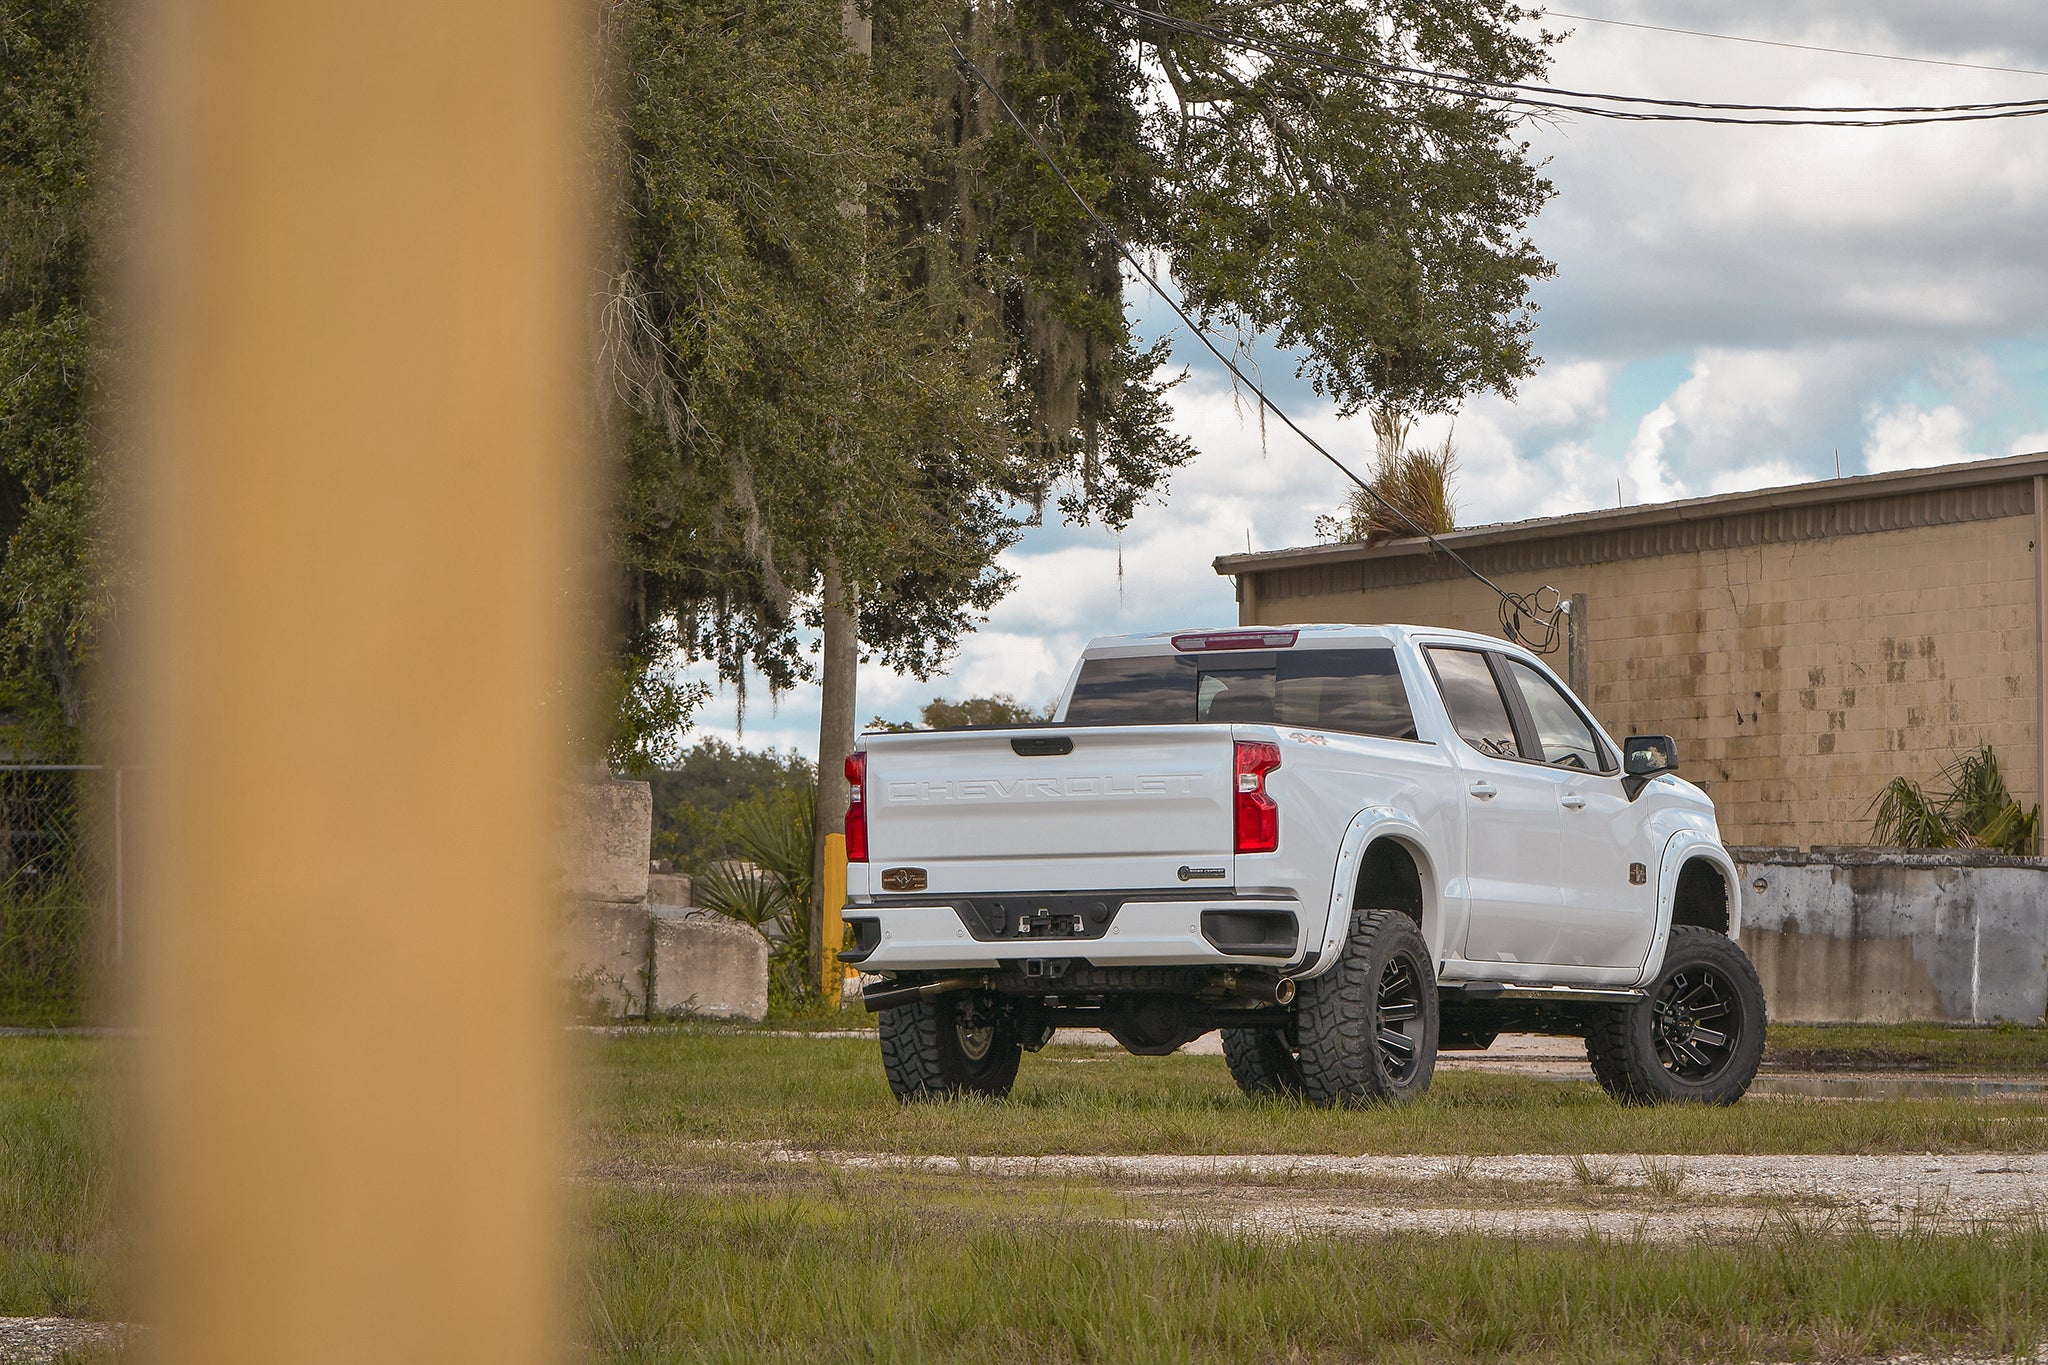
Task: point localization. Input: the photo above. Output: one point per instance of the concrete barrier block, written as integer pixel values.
(707, 966)
(671, 888)
(601, 954)
(606, 828)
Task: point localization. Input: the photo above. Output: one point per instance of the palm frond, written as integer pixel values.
(753, 895)
(1969, 807)
(1907, 817)
(775, 832)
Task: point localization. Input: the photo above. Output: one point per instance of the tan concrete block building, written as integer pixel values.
(1805, 645)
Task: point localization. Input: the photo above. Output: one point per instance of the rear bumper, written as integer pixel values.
(1218, 931)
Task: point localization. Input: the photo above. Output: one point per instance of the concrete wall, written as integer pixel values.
(1865, 935)
(1799, 672)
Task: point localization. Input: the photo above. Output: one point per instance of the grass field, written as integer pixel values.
(2010, 1048)
(683, 1276)
(693, 1246)
(60, 1246)
(652, 1095)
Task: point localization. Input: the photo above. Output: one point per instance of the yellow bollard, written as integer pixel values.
(833, 921)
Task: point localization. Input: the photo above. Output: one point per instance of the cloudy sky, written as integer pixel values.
(1733, 308)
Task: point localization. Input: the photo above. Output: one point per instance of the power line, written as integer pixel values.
(1572, 101)
(1799, 47)
(1219, 33)
(1515, 607)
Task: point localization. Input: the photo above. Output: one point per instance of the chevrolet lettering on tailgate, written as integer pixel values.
(1045, 788)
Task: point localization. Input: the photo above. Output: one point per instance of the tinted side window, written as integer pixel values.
(1357, 691)
(1147, 691)
(1562, 732)
(1477, 711)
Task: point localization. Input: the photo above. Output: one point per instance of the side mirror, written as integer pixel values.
(1648, 755)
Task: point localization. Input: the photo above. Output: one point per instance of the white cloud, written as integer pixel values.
(1675, 236)
(1563, 394)
(1907, 436)
(2029, 443)
(1648, 477)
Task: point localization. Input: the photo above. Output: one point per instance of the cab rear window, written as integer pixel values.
(1356, 691)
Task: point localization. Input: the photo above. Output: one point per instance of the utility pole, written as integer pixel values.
(839, 664)
(362, 269)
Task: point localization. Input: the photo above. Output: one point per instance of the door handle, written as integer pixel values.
(1485, 791)
(1573, 801)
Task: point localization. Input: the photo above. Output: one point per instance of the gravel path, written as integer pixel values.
(1655, 1197)
(33, 1341)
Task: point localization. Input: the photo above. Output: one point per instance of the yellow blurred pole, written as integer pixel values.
(833, 933)
(358, 280)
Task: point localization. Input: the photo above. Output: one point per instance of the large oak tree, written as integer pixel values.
(864, 332)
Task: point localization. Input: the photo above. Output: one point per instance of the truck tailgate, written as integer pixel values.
(1128, 807)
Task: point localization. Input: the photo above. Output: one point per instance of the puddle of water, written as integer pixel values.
(1900, 1087)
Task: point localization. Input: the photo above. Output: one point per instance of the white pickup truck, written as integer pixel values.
(1344, 846)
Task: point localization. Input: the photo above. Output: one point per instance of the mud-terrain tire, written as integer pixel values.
(1698, 1036)
(1261, 1062)
(1367, 1028)
(935, 1049)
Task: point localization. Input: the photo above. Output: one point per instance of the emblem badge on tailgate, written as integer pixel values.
(903, 879)
(1188, 874)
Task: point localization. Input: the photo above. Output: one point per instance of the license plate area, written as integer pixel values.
(1038, 915)
(1046, 923)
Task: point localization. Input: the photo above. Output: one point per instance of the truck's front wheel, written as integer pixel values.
(949, 1045)
(1697, 1036)
(1368, 1026)
(1261, 1062)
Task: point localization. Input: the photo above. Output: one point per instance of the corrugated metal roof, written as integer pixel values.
(2011, 469)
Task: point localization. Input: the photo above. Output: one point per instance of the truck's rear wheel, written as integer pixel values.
(1368, 1026)
(1697, 1037)
(1261, 1062)
(949, 1045)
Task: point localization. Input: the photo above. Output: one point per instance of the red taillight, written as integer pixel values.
(857, 808)
(1258, 815)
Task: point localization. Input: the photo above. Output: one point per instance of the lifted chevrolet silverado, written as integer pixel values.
(1346, 847)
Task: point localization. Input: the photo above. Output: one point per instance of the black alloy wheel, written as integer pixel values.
(1696, 1037)
(1399, 1006)
(1696, 1024)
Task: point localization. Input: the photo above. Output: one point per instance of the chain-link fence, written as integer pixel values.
(61, 887)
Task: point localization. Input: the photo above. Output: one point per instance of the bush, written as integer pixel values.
(770, 886)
